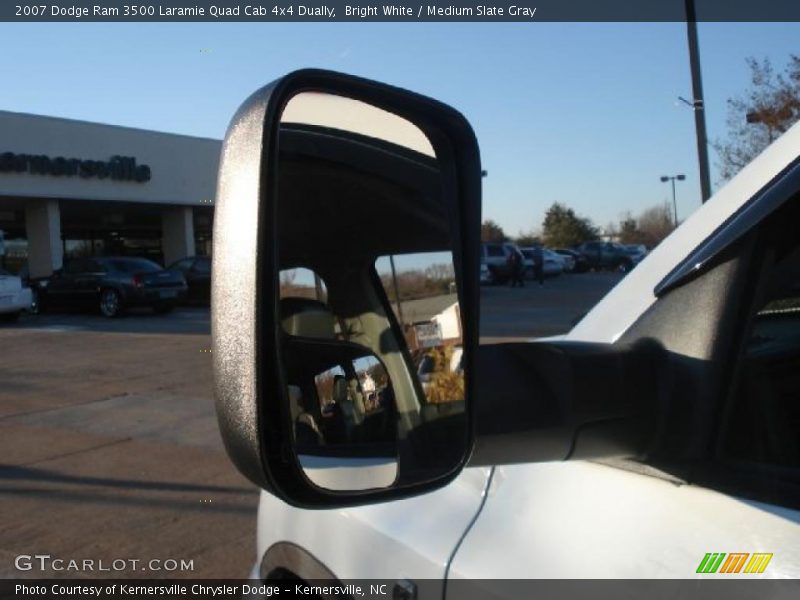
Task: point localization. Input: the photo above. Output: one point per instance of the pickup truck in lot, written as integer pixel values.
(657, 439)
(612, 256)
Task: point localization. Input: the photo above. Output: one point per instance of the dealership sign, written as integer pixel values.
(119, 168)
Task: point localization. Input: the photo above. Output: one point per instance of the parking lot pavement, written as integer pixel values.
(109, 446)
(539, 311)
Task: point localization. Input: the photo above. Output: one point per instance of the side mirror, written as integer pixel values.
(346, 246)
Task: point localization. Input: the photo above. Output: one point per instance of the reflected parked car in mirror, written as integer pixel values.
(110, 285)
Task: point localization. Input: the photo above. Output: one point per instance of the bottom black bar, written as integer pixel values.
(727, 588)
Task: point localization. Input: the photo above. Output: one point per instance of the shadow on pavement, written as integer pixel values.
(12, 472)
(184, 320)
(203, 505)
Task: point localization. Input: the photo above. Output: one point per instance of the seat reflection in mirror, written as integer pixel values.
(356, 402)
(306, 430)
(342, 410)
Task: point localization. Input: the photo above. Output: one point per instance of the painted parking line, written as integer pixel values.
(58, 328)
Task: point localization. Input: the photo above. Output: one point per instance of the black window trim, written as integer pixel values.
(777, 485)
(766, 201)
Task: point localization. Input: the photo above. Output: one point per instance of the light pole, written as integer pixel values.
(672, 178)
(697, 101)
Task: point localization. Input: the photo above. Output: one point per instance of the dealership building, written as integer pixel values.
(74, 188)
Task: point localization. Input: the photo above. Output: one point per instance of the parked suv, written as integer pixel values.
(495, 255)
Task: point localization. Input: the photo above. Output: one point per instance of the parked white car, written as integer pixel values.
(553, 264)
(486, 275)
(14, 297)
(567, 261)
(716, 494)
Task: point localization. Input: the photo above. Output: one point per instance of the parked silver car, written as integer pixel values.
(553, 265)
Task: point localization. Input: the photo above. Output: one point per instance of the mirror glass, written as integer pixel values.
(369, 308)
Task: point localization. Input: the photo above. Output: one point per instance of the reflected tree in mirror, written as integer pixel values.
(422, 291)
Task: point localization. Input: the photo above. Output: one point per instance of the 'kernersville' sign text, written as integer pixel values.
(120, 168)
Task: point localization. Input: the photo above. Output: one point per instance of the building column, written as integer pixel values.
(177, 233)
(43, 230)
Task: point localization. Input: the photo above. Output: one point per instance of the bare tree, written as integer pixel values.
(649, 228)
(629, 230)
(655, 224)
(767, 109)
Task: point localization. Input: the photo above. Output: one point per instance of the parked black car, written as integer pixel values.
(197, 272)
(110, 285)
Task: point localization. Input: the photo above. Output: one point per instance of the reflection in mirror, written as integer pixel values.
(355, 117)
(302, 283)
(341, 403)
(372, 353)
(422, 291)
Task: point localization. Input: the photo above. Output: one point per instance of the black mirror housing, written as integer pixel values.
(556, 401)
(250, 385)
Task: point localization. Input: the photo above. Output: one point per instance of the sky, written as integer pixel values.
(586, 114)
